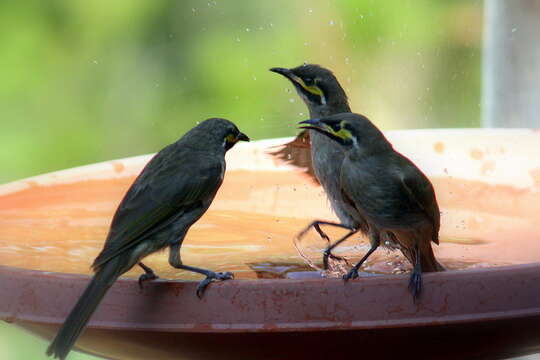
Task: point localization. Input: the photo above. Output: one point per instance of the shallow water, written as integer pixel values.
(249, 229)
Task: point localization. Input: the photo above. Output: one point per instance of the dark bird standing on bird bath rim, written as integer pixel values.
(171, 193)
(324, 96)
(385, 189)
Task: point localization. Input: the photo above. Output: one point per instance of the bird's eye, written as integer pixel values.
(308, 81)
(336, 127)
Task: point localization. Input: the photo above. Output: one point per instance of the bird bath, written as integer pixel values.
(487, 305)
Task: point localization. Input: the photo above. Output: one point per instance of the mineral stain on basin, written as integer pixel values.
(52, 227)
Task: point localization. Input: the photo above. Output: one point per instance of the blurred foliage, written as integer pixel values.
(84, 82)
(17, 344)
(89, 81)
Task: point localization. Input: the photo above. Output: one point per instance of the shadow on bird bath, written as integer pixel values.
(487, 183)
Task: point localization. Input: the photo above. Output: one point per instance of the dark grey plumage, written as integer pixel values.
(326, 155)
(171, 193)
(385, 189)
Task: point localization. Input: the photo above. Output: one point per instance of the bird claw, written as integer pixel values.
(328, 254)
(352, 274)
(147, 277)
(415, 285)
(219, 276)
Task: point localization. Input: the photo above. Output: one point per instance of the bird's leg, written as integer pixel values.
(176, 262)
(148, 275)
(328, 250)
(415, 282)
(317, 226)
(375, 241)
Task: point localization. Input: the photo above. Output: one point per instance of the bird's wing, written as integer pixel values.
(160, 194)
(298, 153)
(420, 191)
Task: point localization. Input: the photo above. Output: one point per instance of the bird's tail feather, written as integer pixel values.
(427, 257)
(82, 311)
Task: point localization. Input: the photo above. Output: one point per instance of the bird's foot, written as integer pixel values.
(147, 276)
(352, 274)
(219, 276)
(328, 254)
(415, 285)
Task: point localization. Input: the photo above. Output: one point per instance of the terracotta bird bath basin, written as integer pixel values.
(486, 306)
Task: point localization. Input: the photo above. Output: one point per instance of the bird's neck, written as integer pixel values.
(203, 146)
(317, 111)
(357, 153)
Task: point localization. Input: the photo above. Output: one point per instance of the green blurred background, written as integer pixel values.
(83, 82)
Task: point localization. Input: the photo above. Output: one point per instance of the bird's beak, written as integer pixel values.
(320, 126)
(242, 137)
(288, 74)
(313, 124)
(282, 71)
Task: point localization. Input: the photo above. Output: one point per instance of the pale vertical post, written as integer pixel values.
(511, 64)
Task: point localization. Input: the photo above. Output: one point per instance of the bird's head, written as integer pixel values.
(349, 130)
(318, 87)
(221, 131)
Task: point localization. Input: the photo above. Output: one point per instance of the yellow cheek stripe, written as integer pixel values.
(342, 133)
(231, 139)
(314, 89)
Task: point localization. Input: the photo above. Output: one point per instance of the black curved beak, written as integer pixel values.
(319, 126)
(242, 137)
(313, 124)
(282, 71)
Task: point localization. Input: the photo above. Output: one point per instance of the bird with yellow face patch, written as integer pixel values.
(324, 96)
(170, 194)
(386, 190)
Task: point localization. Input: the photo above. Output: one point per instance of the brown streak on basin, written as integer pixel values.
(52, 226)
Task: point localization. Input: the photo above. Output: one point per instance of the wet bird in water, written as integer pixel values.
(324, 96)
(385, 189)
(171, 193)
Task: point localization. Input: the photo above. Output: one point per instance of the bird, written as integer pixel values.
(169, 195)
(323, 95)
(387, 190)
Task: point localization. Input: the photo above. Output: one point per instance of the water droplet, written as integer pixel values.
(301, 113)
(287, 90)
(331, 22)
(291, 100)
(271, 25)
(310, 11)
(514, 30)
(193, 10)
(346, 60)
(248, 29)
(254, 78)
(237, 39)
